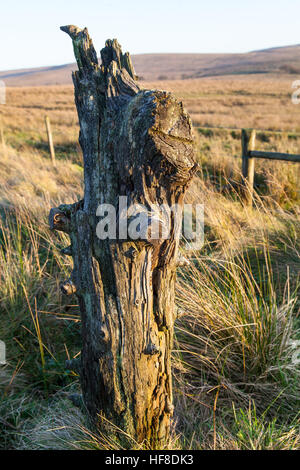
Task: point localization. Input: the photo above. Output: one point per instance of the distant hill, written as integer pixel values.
(175, 66)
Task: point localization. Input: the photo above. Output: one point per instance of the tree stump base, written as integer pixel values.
(137, 145)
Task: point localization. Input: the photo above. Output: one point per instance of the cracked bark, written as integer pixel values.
(136, 143)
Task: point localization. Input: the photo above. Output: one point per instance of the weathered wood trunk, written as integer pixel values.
(136, 144)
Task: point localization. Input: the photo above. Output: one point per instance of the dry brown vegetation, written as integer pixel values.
(262, 102)
(236, 386)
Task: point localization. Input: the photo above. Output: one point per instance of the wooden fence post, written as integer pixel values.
(248, 163)
(2, 140)
(50, 140)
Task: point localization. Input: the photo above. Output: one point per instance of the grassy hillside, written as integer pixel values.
(281, 60)
(236, 380)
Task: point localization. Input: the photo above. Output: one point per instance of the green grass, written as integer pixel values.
(235, 383)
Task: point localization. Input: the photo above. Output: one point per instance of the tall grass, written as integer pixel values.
(234, 348)
(237, 327)
(236, 382)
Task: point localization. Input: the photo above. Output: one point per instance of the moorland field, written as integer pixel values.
(235, 363)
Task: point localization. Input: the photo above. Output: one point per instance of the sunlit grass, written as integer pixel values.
(236, 385)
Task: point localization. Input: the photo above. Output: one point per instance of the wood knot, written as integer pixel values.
(151, 349)
(68, 287)
(59, 221)
(132, 252)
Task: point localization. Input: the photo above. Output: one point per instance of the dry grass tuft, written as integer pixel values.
(235, 378)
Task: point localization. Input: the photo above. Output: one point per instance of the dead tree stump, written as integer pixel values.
(137, 144)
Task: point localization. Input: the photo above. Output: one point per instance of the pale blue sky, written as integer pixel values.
(30, 35)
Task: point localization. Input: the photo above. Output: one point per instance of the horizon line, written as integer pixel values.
(39, 67)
